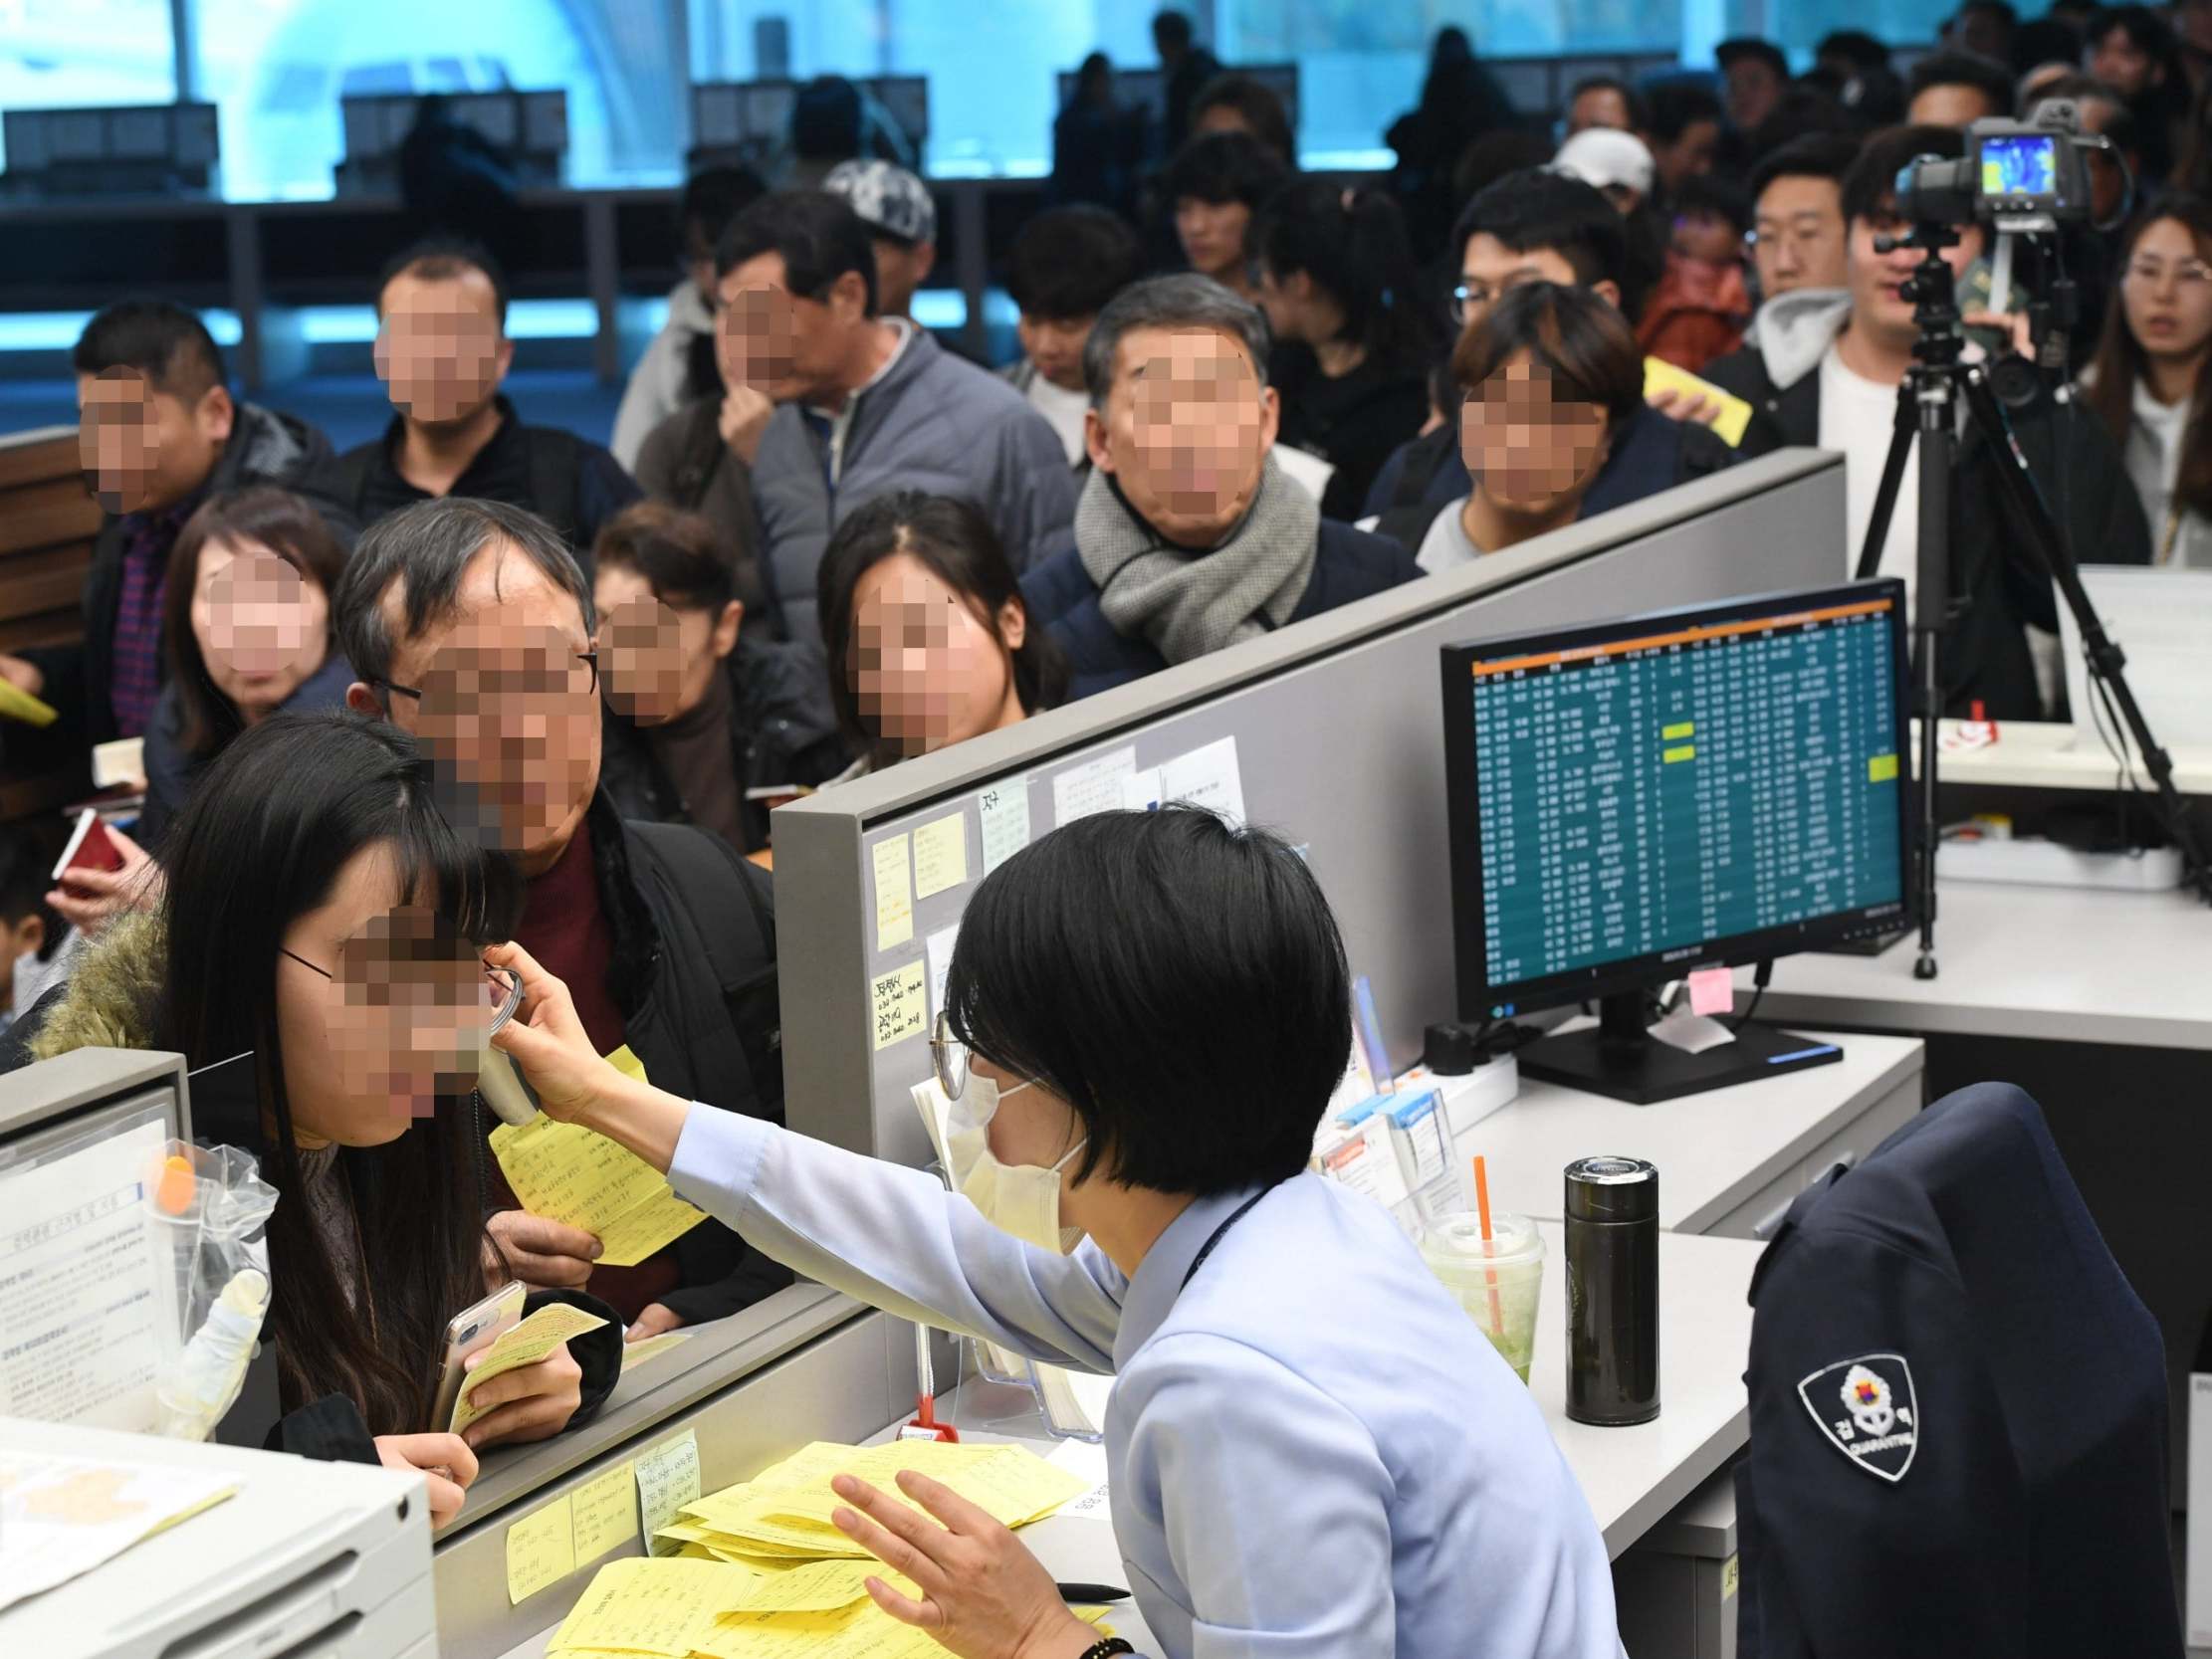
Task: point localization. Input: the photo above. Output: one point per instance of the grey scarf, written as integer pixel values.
(1190, 604)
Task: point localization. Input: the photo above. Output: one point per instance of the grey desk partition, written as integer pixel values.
(1337, 728)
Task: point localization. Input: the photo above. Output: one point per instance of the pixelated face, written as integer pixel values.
(142, 449)
(1798, 233)
(1599, 107)
(656, 662)
(925, 666)
(1753, 91)
(440, 350)
(1487, 267)
(787, 346)
(1529, 449)
(1055, 346)
(2167, 290)
(1878, 302)
(1212, 237)
(509, 710)
(1185, 430)
(262, 626)
(380, 1011)
(2122, 64)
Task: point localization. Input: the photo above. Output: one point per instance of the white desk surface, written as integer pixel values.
(1632, 1477)
(2065, 964)
(2042, 756)
(1714, 1150)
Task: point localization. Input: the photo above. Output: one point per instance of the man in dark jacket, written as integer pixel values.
(442, 352)
(159, 433)
(1189, 536)
(470, 626)
(1825, 373)
(1530, 225)
(1958, 1412)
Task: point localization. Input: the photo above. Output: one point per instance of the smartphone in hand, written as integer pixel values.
(476, 1328)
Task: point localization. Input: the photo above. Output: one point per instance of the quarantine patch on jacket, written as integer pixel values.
(1866, 1408)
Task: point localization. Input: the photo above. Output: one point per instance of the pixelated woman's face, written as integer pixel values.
(262, 627)
(927, 669)
(1529, 449)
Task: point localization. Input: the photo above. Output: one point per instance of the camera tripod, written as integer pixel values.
(1928, 399)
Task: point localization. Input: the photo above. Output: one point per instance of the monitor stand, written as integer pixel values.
(1620, 1057)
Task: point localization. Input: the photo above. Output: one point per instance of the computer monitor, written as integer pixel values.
(1701, 788)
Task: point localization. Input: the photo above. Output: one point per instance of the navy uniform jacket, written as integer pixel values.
(1958, 1412)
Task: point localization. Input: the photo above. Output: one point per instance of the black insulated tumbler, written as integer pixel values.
(1612, 1291)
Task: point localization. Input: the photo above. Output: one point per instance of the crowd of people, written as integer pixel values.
(482, 679)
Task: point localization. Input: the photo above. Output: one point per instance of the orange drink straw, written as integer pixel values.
(1483, 1210)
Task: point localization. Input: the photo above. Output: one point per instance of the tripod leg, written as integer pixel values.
(1932, 606)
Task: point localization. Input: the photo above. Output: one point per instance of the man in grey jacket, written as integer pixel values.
(834, 405)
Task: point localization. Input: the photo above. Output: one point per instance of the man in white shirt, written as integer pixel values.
(1065, 265)
(1826, 371)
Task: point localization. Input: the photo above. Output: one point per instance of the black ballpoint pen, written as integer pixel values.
(1086, 1594)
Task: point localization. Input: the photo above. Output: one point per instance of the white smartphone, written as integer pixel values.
(476, 1328)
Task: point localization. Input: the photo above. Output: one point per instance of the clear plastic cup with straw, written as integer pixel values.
(1493, 1265)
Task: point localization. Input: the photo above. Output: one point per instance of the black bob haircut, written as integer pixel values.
(1676, 105)
(1180, 982)
(441, 259)
(1535, 209)
(1871, 184)
(166, 343)
(1964, 69)
(1069, 261)
(1825, 155)
(1222, 167)
(710, 198)
(818, 234)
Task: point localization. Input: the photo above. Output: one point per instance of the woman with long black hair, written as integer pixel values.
(322, 914)
(1355, 342)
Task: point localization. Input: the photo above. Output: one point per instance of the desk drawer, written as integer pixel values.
(1760, 1214)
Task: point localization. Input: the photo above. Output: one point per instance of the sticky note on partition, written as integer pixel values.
(1003, 812)
(941, 856)
(667, 1480)
(894, 892)
(603, 1514)
(899, 1005)
(540, 1550)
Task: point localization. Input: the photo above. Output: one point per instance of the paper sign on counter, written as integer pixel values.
(894, 892)
(604, 1514)
(540, 1550)
(939, 951)
(1206, 777)
(899, 1004)
(525, 1345)
(1094, 786)
(667, 1480)
(941, 856)
(1003, 811)
(567, 1173)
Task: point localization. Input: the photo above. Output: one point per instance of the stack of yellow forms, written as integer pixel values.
(764, 1574)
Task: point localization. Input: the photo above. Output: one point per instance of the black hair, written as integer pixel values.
(956, 544)
(1585, 344)
(262, 516)
(1673, 105)
(1170, 27)
(1225, 167)
(1612, 84)
(1745, 48)
(270, 827)
(1963, 69)
(818, 234)
(2122, 126)
(1825, 155)
(1871, 184)
(26, 876)
(710, 198)
(1352, 244)
(683, 557)
(2121, 363)
(2046, 40)
(2147, 31)
(166, 343)
(1178, 982)
(1530, 210)
(1496, 155)
(1068, 262)
(443, 258)
(431, 544)
(1801, 111)
(1257, 102)
(1717, 194)
(1856, 46)
(826, 119)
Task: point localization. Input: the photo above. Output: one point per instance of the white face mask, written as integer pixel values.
(1019, 1198)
